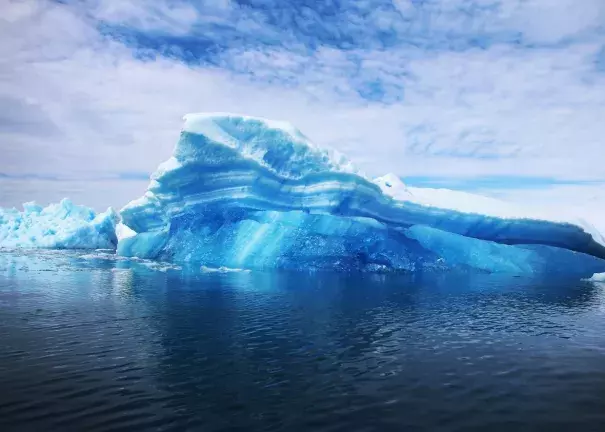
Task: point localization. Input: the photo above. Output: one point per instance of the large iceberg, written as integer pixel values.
(58, 226)
(244, 192)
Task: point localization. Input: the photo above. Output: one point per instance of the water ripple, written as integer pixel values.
(107, 345)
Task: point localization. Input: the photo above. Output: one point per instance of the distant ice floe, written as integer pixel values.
(205, 269)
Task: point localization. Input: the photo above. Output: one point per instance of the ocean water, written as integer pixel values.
(90, 343)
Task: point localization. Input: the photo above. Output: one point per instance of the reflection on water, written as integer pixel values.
(95, 343)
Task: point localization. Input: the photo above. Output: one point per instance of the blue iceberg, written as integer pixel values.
(244, 192)
(58, 226)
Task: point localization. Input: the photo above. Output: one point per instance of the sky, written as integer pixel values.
(500, 97)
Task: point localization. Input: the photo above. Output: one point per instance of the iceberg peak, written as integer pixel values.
(277, 145)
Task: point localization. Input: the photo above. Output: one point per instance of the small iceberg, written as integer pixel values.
(58, 226)
(597, 277)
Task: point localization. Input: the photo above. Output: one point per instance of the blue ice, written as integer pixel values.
(58, 226)
(243, 192)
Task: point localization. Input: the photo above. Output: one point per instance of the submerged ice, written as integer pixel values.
(243, 192)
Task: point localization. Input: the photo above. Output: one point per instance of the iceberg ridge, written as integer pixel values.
(244, 192)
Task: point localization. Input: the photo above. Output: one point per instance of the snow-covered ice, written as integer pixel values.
(58, 226)
(598, 277)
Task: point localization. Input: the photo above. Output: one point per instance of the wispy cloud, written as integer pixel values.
(449, 89)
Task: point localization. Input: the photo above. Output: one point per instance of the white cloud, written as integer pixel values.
(99, 194)
(547, 21)
(176, 18)
(76, 104)
(535, 21)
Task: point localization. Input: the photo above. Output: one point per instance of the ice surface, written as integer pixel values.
(205, 269)
(57, 226)
(278, 146)
(460, 251)
(466, 202)
(243, 192)
(598, 277)
(460, 201)
(123, 232)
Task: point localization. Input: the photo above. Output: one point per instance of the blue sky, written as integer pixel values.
(501, 97)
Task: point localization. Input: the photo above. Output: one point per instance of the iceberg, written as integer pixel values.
(58, 226)
(250, 193)
(246, 193)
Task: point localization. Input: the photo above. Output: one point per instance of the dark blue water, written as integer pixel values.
(99, 345)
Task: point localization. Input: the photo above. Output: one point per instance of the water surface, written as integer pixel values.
(98, 345)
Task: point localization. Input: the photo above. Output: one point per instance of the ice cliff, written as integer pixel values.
(244, 192)
(58, 226)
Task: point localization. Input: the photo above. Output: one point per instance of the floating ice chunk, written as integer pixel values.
(205, 269)
(598, 277)
(57, 226)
